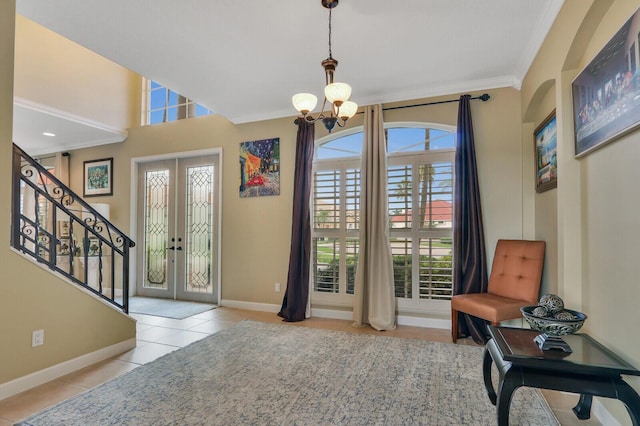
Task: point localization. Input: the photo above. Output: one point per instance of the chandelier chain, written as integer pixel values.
(330, 56)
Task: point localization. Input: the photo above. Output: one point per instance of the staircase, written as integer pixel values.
(56, 227)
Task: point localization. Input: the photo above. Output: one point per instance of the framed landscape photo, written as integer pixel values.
(545, 140)
(606, 93)
(98, 177)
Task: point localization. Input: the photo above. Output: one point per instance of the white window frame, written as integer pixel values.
(342, 298)
(145, 118)
(415, 158)
(415, 304)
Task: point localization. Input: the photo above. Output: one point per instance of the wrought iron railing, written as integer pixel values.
(52, 224)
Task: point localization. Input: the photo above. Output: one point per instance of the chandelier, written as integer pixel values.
(337, 94)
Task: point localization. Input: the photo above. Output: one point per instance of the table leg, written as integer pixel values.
(630, 399)
(507, 386)
(583, 408)
(486, 373)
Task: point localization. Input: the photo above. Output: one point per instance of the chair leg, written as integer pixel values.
(454, 325)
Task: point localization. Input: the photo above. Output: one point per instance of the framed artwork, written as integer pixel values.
(98, 177)
(606, 93)
(544, 139)
(93, 248)
(64, 248)
(63, 228)
(260, 168)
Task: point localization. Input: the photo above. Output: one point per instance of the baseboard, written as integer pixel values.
(410, 320)
(332, 314)
(38, 378)
(424, 322)
(250, 306)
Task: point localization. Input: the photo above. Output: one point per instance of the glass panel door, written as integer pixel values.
(177, 229)
(197, 215)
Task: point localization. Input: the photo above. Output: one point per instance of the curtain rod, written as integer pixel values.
(484, 97)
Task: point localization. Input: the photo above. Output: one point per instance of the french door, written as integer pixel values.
(178, 208)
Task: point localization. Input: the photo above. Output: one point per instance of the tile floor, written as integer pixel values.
(157, 336)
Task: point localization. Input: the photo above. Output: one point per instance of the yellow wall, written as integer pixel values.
(57, 73)
(593, 212)
(30, 297)
(256, 231)
(589, 221)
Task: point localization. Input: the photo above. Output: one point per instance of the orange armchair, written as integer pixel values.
(515, 280)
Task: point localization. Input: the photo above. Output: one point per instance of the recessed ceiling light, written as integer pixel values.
(48, 134)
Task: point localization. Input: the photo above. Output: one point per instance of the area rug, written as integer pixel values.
(169, 308)
(272, 374)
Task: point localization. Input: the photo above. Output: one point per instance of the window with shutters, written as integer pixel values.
(336, 212)
(420, 187)
(162, 104)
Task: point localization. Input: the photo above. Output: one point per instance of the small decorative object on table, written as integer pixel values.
(551, 317)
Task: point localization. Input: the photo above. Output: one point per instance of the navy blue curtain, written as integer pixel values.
(294, 305)
(470, 259)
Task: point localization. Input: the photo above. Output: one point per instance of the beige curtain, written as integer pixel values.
(374, 296)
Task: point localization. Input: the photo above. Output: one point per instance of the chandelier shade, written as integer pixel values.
(304, 102)
(337, 94)
(347, 110)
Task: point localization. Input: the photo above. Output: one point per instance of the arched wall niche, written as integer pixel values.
(545, 205)
(539, 96)
(583, 36)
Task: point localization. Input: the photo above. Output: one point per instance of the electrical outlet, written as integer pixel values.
(278, 287)
(37, 338)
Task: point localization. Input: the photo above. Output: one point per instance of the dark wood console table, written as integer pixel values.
(590, 370)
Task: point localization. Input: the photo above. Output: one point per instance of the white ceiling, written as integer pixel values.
(31, 121)
(244, 59)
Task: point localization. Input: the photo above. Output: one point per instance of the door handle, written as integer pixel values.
(174, 247)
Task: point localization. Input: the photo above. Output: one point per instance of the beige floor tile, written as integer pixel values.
(270, 317)
(568, 418)
(153, 334)
(226, 314)
(22, 405)
(180, 324)
(560, 400)
(147, 319)
(212, 326)
(99, 373)
(142, 326)
(147, 353)
(210, 314)
(182, 338)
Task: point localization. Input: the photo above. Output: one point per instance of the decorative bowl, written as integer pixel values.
(553, 326)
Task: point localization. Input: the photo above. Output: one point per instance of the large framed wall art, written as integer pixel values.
(260, 168)
(606, 93)
(544, 138)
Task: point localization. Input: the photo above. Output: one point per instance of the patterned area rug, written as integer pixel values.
(271, 374)
(169, 308)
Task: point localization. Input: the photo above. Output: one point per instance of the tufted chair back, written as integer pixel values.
(515, 280)
(517, 270)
